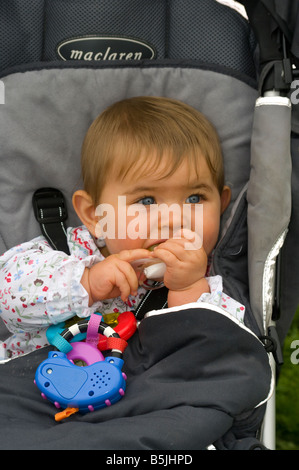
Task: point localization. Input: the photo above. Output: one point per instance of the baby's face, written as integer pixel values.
(139, 213)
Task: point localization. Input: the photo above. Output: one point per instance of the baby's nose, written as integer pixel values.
(171, 221)
(165, 220)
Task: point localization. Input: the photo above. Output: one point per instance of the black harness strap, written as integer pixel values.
(51, 212)
(152, 302)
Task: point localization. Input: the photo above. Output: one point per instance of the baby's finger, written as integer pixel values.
(124, 286)
(167, 255)
(133, 255)
(176, 247)
(130, 276)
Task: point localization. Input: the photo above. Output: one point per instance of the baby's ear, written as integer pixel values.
(225, 198)
(85, 210)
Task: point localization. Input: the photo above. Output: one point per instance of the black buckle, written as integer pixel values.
(49, 206)
(272, 344)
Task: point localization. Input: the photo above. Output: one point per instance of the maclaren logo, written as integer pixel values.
(105, 48)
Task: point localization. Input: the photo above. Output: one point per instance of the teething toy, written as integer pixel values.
(125, 327)
(101, 383)
(153, 269)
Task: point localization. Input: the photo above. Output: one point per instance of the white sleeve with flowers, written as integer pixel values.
(40, 287)
(218, 298)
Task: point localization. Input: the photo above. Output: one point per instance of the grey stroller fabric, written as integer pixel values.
(271, 168)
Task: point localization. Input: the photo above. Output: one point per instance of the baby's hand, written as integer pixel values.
(113, 277)
(185, 270)
(184, 266)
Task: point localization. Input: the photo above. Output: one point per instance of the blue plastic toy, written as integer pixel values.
(82, 388)
(99, 384)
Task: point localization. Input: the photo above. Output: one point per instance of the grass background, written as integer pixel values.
(287, 395)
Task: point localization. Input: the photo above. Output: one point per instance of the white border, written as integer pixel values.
(235, 6)
(273, 101)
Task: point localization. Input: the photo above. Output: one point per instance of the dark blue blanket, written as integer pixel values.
(194, 377)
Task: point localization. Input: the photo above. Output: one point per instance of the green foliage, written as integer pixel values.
(287, 393)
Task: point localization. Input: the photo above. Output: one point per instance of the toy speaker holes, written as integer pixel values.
(97, 383)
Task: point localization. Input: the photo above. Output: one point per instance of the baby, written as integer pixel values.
(140, 155)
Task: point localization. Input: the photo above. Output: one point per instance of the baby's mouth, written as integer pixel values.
(155, 244)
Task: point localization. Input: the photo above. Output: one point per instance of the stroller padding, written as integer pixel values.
(174, 29)
(269, 200)
(48, 111)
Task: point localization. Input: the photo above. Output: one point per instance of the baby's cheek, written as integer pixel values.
(210, 235)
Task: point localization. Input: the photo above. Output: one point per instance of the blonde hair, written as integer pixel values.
(133, 135)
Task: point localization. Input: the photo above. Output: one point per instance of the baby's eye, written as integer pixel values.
(193, 199)
(147, 201)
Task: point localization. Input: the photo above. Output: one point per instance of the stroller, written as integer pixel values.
(62, 62)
